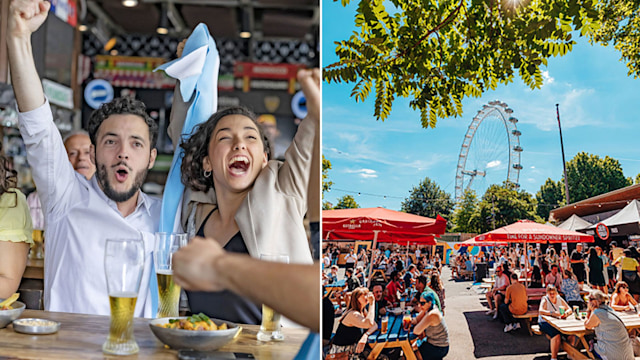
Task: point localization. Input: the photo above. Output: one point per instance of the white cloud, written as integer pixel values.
(531, 180)
(494, 163)
(547, 78)
(364, 173)
(533, 167)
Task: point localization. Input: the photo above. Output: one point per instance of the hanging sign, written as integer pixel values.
(603, 231)
(97, 93)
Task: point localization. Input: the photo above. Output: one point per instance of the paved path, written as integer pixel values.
(473, 335)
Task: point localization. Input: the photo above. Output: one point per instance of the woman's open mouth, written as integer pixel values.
(239, 165)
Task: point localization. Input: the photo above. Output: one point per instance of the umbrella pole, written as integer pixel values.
(375, 242)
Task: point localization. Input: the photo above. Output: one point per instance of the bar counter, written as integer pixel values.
(81, 337)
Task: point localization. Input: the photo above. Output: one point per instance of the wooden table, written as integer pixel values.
(395, 337)
(82, 336)
(572, 326)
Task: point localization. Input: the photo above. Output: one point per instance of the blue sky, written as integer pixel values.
(383, 161)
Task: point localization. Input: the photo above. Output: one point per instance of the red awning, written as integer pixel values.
(391, 226)
(533, 232)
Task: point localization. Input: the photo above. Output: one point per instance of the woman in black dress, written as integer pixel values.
(596, 278)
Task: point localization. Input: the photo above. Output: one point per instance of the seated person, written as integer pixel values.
(350, 336)
(332, 277)
(495, 296)
(394, 288)
(536, 278)
(553, 277)
(552, 305)
(351, 281)
(613, 340)
(381, 303)
(571, 289)
(515, 303)
(621, 299)
(430, 324)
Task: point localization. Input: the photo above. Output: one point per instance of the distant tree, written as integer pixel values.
(550, 196)
(503, 205)
(326, 183)
(637, 181)
(465, 216)
(427, 199)
(589, 175)
(347, 202)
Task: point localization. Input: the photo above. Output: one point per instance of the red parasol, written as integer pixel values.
(527, 231)
(382, 225)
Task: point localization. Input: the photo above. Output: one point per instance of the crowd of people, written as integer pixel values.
(397, 281)
(608, 280)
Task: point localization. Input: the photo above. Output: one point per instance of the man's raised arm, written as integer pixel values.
(25, 17)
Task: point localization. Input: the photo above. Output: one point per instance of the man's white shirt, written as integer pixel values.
(80, 218)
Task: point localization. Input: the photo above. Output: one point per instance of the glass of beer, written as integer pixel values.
(169, 293)
(270, 326)
(123, 266)
(384, 323)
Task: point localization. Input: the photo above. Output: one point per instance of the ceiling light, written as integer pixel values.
(129, 3)
(163, 26)
(245, 26)
(82, 28)
(110, 44)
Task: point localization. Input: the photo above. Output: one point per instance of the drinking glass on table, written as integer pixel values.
(270, 326)
(384, 323)
(123, 266)
(169, 293)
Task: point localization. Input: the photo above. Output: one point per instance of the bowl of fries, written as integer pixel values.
(10, 311)
(197, 332)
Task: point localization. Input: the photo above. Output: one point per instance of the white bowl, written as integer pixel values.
(194, 339)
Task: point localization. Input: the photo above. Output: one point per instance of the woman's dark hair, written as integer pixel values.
(592, 253)
(435, 282)
(8, 177)
(196, 148)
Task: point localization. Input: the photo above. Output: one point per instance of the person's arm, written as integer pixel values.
(431, 319)
(13, 261)
(52, 172)
(294, 173)
(291, 289)
(615, 303)
(25, 17)
(592, 320)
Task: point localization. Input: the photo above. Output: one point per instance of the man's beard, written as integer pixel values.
(103, 180)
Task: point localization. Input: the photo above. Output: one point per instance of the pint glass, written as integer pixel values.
(270, 326)
(168, 291)
(123, 266)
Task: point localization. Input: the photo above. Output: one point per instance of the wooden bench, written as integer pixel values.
(530, 314)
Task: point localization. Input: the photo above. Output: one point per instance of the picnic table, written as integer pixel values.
(395, 337)
(336, 286)
(573, 326)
